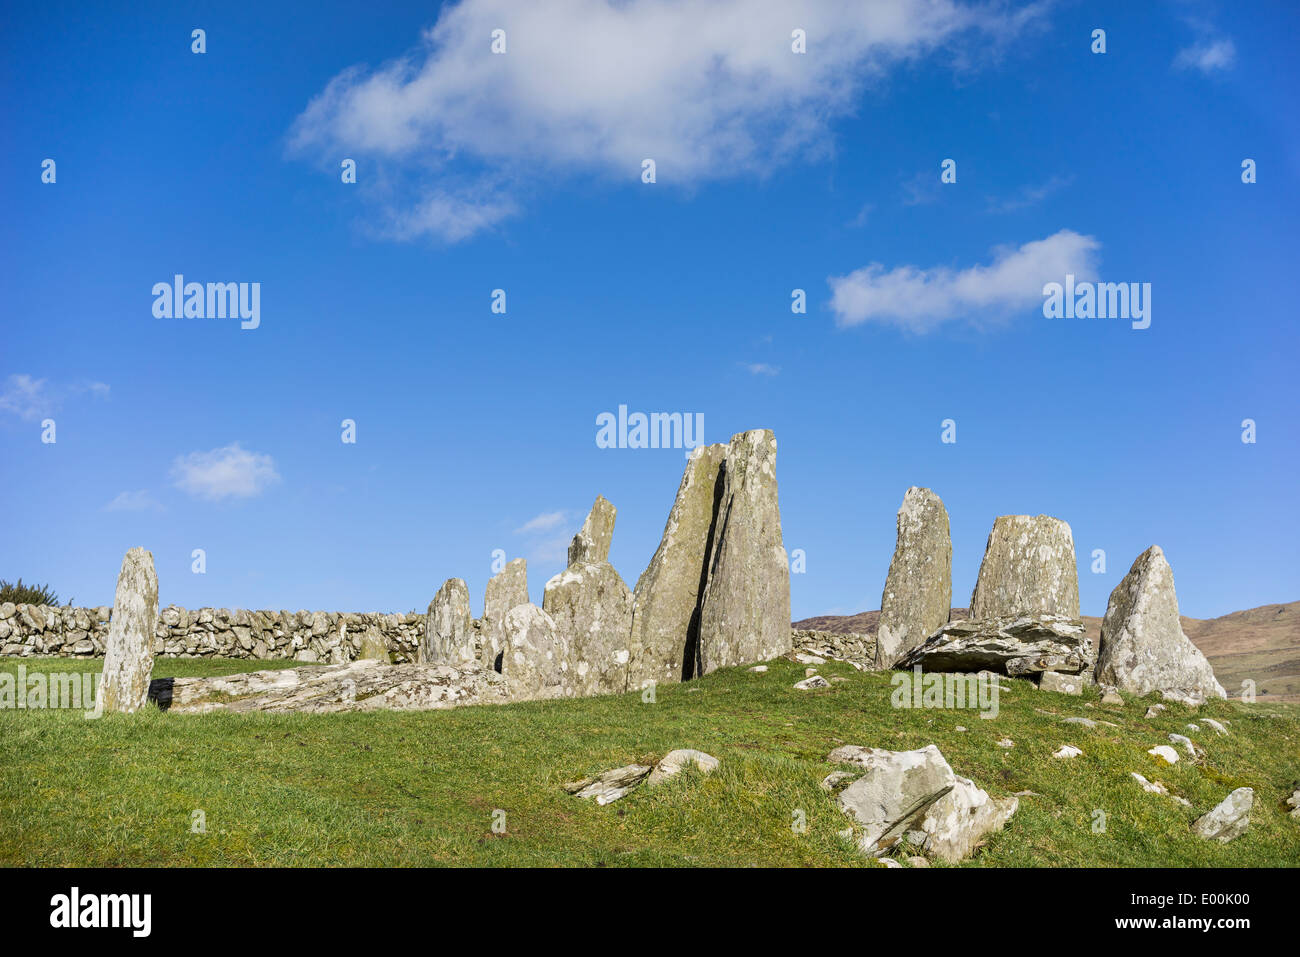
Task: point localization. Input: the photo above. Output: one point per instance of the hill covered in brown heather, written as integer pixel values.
(1262, 644)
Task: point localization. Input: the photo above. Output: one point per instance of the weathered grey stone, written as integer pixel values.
(674, 762)
(918, 590)
(536, 658)
(812, 682)
(505, 590)
(610, 785)
(896, 790)
(745, 610)
(591, 544)
(374, 646)
(666, 607)
(1293, 802)
(128, 654)
(1229, 819)
(1061, 683)
(1028, 569)
(1027, 644)
(592, 607)
(363, 685)
(957, 823)
(448, 636)
(1143, 648)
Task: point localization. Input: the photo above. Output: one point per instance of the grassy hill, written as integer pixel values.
(421, 788)
(1262, 644)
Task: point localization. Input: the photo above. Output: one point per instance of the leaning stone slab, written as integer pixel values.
(1028, 569)
(448, 635)
(956, 824)
(1229, 819)
(592, 608)
(918, 590)
(1143, 648)
(674, 762)
(506, 589)
(894, 792)
(745, 611)
(665, 612)
(128, 652)
(591, 544)
(1024, 645)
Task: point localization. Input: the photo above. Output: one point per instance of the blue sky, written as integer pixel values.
(522, 171)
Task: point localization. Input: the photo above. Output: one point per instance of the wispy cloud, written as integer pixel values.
(138, 501)
(29, 399)
(1028, 196)
(227, 472)
(921, 299)
(1208, 56)
(541, 523)
(706, 90)
(760, 368)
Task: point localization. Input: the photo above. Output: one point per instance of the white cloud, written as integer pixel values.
(921, 299)
(760, 368)
(1028, 196)
(30, 399)
(706, 90)
(1207, 56)
(541, 523)
(227, 472)
(139, 501)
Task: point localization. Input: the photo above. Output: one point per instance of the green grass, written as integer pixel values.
(420, 788)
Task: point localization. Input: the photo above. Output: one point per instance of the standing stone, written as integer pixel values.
(591, 544)
(1143, 648)
(505, 590)
(745, 611)
(666, 609)
(1028, 569)
(536, 659)
(448, 635)
(374, 647)
(1229, 819)
(918, 590)
(592, 608)
(128, 652)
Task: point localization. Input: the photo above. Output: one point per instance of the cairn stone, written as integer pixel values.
(591, 544)
(1028, 569)
(448, 633)
(505, 590)
(666, 607)
(592, 607)
(128, 653)
(1143, 648)
(745, 610)
(536, 659)
(918, 590)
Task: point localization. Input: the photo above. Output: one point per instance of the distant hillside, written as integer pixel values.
(1261, 643)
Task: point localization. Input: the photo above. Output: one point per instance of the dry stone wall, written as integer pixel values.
(69, 632)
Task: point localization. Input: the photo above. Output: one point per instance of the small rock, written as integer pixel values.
(1085, 722)
(1218, 728)
(610, 785)
(1193, 727)
(916, 860)
(834, 778)
(1067, 751)
(806, 659)
(1229, 819)
(1061, 683)
(809, 672)
(1293, 802)
(1006, 743)
(1188, 746)
(758, 669)
(1154, 710)
(1163, 752)
(816, 681)
(888, 862)
(959, 728)
(673, 762)
(1152, 787)
(1111, 696)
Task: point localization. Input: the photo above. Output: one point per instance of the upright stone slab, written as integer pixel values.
(591, 544)
(592, 609)
(665, 613)
(374, 647)
(1143, 648)
(536, 659)
(128, 652)
(1028, 569)
(918, 591)
(506, 589)
(745, 611)
(448, 634)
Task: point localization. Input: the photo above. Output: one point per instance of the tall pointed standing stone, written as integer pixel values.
(918, 591)
(745, 612)
(592, 608)
(505, 590)
(665, 616)
(448, 634)
(591, 544)
(128, 651)
(1028, 569)
(1143, 648)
